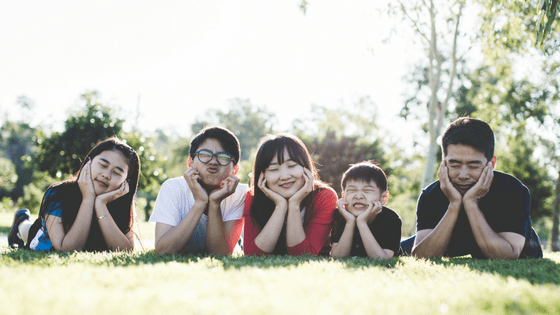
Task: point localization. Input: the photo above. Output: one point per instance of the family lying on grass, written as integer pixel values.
(471, 210)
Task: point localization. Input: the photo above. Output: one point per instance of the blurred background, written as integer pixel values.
(355, 81)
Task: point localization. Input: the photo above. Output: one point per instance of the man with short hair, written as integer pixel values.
(201, 211)
(473, 209)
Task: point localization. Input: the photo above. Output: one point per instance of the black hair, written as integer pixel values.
(227, 140)
(366, 171)
(121, 209)
(262, 207)
(472, 132)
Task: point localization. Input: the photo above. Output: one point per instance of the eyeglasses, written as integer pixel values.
(205, 156)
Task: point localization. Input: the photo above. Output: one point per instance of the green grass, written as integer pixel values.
(144, 282)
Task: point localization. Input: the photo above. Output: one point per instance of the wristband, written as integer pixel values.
(101, 217)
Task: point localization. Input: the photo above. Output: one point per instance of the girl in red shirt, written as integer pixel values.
(289, 210)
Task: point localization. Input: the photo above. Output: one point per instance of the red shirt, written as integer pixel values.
(316, 231)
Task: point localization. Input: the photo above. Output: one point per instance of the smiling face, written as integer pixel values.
(286, 178)
(109, 170)
(465, 165)
(211, 173)
(359, 194)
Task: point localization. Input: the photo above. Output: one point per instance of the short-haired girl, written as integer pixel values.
(289, 210)
(93, 211)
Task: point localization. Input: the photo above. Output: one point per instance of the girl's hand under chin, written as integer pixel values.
(305, 189)
(115, 194)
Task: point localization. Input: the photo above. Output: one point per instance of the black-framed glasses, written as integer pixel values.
(205, 156)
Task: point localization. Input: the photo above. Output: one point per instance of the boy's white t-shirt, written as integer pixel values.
(175, 199)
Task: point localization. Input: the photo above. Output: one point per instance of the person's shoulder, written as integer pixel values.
(239, 194)
(175, 183)
(326, 192)
(433, 187)
(59, 189)
(390, 214)
(507, 183)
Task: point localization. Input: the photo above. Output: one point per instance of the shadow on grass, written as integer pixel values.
(536, 271)
(18, 257)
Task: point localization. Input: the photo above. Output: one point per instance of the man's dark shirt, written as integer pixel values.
(506, 208)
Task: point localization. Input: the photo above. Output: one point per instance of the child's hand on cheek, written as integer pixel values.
(341, 205)
(373, 209)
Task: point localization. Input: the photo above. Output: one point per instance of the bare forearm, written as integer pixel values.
(371, 245)
(217, 241)
(176, 238)
(268, 237)
(114, 237)
(295, 233)
(344, 245)
(435, 243)
(492, 245)
(77, 236)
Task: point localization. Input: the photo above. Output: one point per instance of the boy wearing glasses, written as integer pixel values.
(201, 211)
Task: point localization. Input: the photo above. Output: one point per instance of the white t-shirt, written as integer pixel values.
(175, 200)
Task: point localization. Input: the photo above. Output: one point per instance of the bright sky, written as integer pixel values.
(184, 57)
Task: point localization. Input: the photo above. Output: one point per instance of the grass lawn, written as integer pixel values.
(143, 282)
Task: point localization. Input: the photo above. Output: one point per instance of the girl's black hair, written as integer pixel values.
(262, 207)
(121, 209)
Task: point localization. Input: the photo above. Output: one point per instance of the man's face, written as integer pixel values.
(211, 173)
(465, 165)
(360, 194)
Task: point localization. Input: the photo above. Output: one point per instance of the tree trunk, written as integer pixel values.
(555, 244)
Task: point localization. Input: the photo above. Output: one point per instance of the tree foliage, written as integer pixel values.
(18, 142)
(334, 154)
(339, 137)
(249, 123)
(548, 12)
(62, 153)
(436, 25)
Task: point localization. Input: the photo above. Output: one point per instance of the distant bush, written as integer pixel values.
(32, 196)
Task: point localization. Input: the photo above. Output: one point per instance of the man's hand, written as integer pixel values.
(341, 205)
(113, 195)
(227, 187)
(452, 194)
(192, 177)
(371, 212)
(482, 186)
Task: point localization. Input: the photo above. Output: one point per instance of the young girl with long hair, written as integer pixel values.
(288, 210)
(93, 211)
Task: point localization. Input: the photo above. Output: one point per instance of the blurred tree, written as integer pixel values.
(522, 105)
(152, 163)
(18, 142)
(548, 12)
(62, 153)
(247, 122)
(334, 154)
(515, 108)
(436, 24)
(8, 177)
(337, 138)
